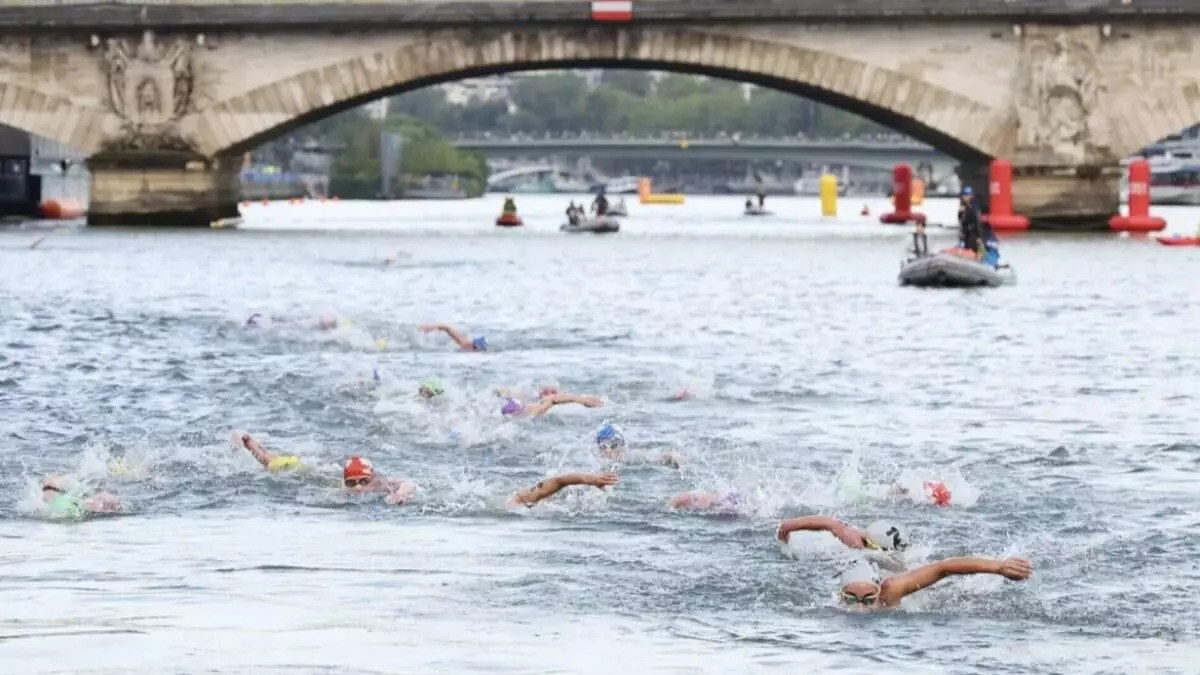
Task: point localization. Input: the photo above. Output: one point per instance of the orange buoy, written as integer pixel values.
(1138, 218)
(1000, 214)
(67, 209)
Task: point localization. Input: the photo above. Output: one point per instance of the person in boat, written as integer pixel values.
(861, 587)
(477, 344)
(885, 541)
(969, 221)
(600, 204)
(59, 500)
(510, 205)
(989, 244)
(574, 213)
(749, 204)
(514, 408)
(551, 486)
(762, 199)
(920, 240)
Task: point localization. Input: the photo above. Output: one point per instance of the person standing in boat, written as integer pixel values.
(762, 199)
(969, 221)
(600, 204)
(510, 205)
(573, 213)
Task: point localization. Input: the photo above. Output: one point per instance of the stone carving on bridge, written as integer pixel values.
(150, 86)
(1059, 111)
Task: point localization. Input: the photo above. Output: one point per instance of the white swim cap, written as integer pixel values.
(887, 536)
(859, 571)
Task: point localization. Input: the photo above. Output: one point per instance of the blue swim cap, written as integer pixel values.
(967, 191)
(609, 436)
(480, 344)
(511, 408)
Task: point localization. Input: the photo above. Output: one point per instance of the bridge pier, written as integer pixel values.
(1075, 199)
(177, 189)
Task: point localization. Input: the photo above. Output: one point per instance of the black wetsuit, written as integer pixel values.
(968, 226)
(601, 204)
(762, 198)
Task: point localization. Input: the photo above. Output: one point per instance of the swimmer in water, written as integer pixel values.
(727, 502)
(936, 492)
(514, 408)
(359, 476)
(60, 502)
(430, 387)
(861, 588)
(550, 486)
(255, 320)
(478, 344)
(886, 541)
(270, 461)
(610, 443)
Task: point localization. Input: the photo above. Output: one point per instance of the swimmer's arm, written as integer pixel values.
(255, 448)
(551, 486)
(453, 332)
(895, 588)
(817, 524)
(399, 491)
(543, 406)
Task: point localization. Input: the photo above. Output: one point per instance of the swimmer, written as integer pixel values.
(514, 408)
(255, 320)
(271, 462)
(861, 589)
(430, 388)
(697, 500)
(885, 540)
(327, 321)
(60, 502)
(610, 443)
(478, 344)
(545, 391)
(358, 476)
(550, 486)
(936, 492)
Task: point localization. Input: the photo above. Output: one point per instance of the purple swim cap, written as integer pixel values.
(511, 408)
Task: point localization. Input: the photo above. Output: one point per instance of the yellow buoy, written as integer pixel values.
(829, 195)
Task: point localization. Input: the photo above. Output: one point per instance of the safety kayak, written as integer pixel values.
(1179, 241)
(949, 270)
(509, 220)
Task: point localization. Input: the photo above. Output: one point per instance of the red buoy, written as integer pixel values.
(1139, 218)
(902, 199)
(1000, 213)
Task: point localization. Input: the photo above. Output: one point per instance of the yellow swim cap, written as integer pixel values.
(283, 463)
(381, 344)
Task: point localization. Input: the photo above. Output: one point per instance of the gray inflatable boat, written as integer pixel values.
(946, 270)
(757, 211)
(600, 225)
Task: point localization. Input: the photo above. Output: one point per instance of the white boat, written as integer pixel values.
(1174, 179)
(947, 270)
(757, 211)
(595, 225)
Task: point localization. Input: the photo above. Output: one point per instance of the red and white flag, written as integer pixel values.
(612, 10)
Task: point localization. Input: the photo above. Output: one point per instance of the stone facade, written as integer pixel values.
(1065, 102)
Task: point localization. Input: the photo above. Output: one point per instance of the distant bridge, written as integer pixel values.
(860, 153)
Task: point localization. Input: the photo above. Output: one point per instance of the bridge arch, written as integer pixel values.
(957, 125)
(52, 117)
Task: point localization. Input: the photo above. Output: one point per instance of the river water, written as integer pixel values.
(1060, 411)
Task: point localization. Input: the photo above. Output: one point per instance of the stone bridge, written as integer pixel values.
(162, 94)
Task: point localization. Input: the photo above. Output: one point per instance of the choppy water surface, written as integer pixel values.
(1062, 412)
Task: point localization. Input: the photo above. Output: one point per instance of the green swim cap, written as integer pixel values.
(433, 386)
(67, 506)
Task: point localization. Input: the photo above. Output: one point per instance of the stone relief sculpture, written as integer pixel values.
(150, 88)
(1058, 106)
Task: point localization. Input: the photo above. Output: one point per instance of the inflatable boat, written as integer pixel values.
(509, 220)
(757, 211)
(595, 225)
(1179, 241)
(951, 270)
(618, 210)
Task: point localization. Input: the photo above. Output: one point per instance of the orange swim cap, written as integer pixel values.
(938, 493)
(358, 467)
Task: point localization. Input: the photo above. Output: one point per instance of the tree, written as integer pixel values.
(635, 82)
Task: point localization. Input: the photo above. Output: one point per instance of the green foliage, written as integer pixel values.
(356, 170)
(633, 102)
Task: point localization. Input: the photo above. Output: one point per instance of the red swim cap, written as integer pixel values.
(938, 493)
(358, 467)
